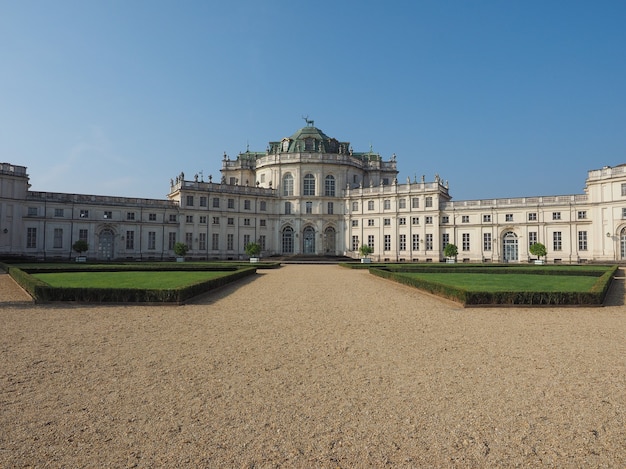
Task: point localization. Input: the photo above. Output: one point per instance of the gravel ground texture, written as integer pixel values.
(311, 366)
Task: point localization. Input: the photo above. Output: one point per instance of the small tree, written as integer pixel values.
(538, 250)
(450, 251)
(80, 246)
(253, 249)
(365, 250)
(181, 249)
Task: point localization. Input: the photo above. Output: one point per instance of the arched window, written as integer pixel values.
(509, 247)
(329, 186)
(287, 184)
(308, 239)
(288, 240)
(308, 187)
(105, 244)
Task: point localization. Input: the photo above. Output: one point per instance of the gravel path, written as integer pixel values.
(312, 366)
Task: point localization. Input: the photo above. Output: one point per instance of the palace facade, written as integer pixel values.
(312, 195)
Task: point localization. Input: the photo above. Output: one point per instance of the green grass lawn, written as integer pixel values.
(493, 282)
(149, 280)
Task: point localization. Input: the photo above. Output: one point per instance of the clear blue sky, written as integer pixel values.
(501, 98)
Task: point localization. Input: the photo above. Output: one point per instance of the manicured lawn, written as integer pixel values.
(137, 280)
(493, 282)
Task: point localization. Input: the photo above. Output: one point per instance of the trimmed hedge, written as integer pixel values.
(42, 292)
(594, 297)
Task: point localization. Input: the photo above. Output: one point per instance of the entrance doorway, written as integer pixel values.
(288, 240)
(105, 244)
(308, 238)
(509, 247)
(329, 241)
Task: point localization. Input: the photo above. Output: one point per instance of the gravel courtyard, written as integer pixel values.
(311, 366)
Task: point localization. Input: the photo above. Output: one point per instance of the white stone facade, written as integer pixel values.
(312, 195)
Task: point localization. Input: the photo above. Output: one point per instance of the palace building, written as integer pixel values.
(310, 194)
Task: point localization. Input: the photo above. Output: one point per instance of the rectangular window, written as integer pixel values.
(287, 208)
(355, 206)
(429, 201)
(465, 219)
(246, 205)
(151, 240)
(263, 206)
(31, 238)
(230, 241)
(232, 181)
(582, 240)
(355, 243)
(189, 218)
(445, 219)
(415, 220)
(216, 202)
(308, 207)
(415, 245)
(58, 212)
(624, 213)
(190, 201)
(152, 217)
(487, 242)
(58, 238)
(508, 217)
(263, 222)
(415, 202)
(623, 189)
(246, 221)
(387, 221)
(532, 238)
(171, 240)
(486, 218)
(386, 204)
(329, 186)
(262, 242)
(445, 240)
(402, 242)
(308, 185)
(130, 216)
(246, 240)
(231, 203)
(532, 216)
(203, 219)
(189, 240)
(429, 220)
(402, 203)
(203, 201)
(331, 208)
(465, 242)
(230, 221)
(387, 241)
(355, 222)
(216, 220)
(429, 242)
(401, 221)
(107, 215)
(582, 214)
(32, 211)
(202, 241)
(130, 239)
(370, 222)
(370, 205)
(557, 243)
(556, 215)
(215, 241)
(370, 241)
(83, 213)
(172, 218)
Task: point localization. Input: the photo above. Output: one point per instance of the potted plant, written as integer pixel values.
(365, 250)
(538, 250)
(180, 249)
(450, 252)
(253, 250)
(80, 246)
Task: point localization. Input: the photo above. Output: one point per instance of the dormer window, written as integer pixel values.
(285, 145)
(309, 144)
